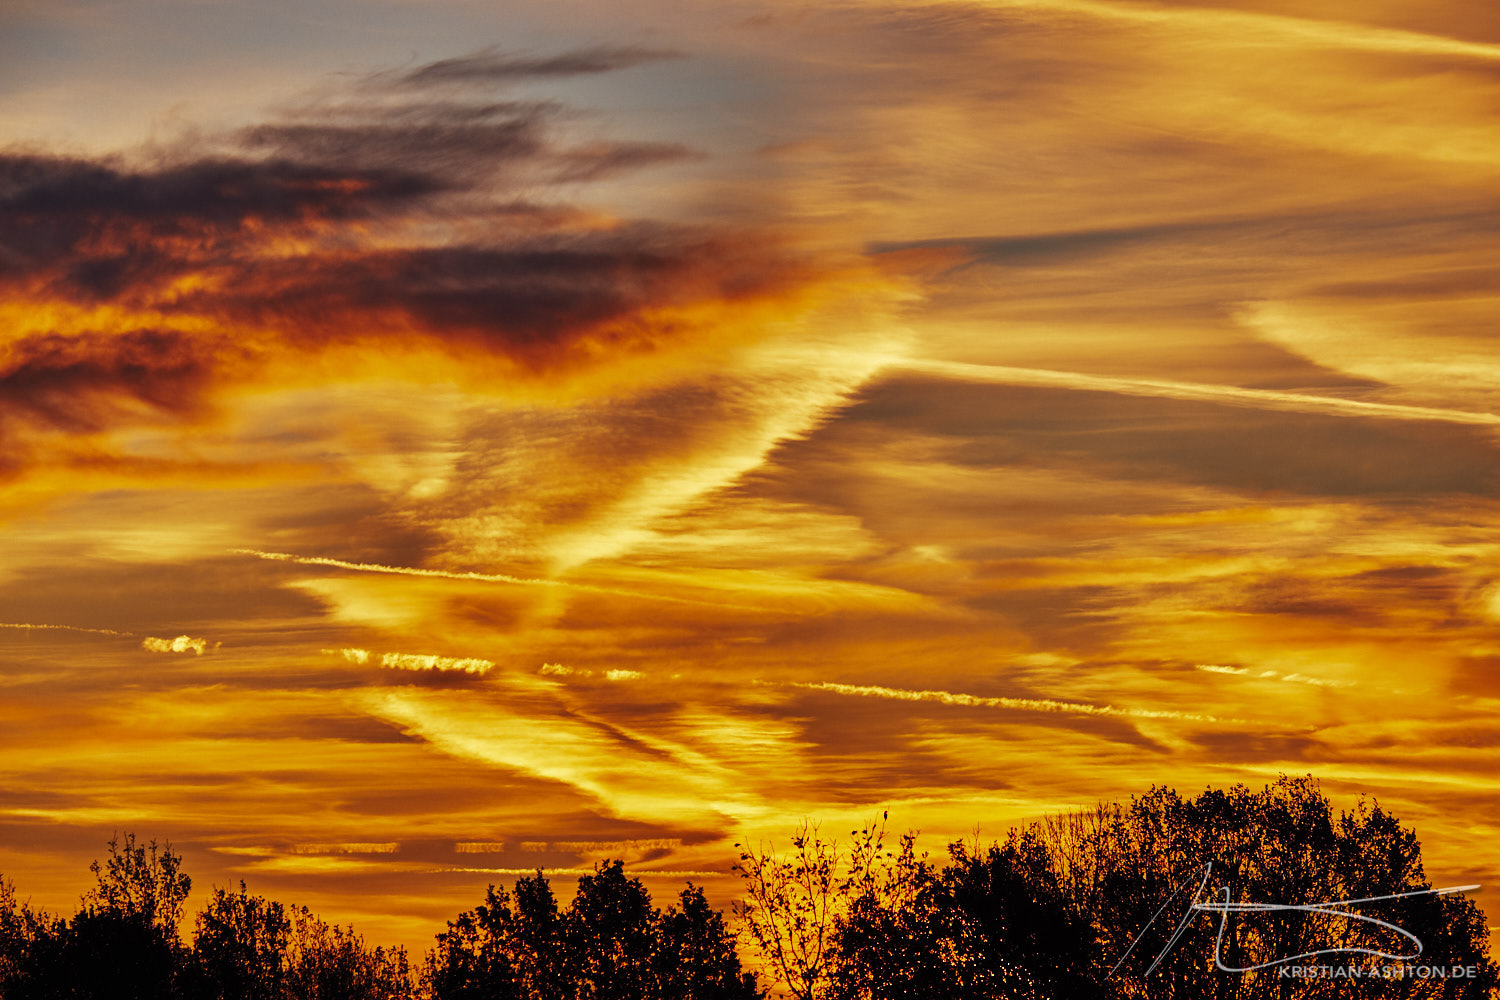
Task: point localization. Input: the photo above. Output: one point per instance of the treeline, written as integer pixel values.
(608, 943)
(1097, 906)
(1086, 906)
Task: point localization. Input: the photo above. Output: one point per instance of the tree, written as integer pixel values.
(139, 883)
(1014, 930)
(239, 948)
(1282, 845)
(1087, 905)
(505, 948)
(897, 936)
(610, 936)
(696, 956)
(327, 962)
(794, 903)
(19, 930)
(609, 943)
(123, 943)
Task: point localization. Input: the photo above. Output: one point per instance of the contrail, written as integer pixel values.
(658, 872)
(481, 577)
(1249, 25)
(66, 628)
(1271, 675)
(977, 701)
(1269, 399)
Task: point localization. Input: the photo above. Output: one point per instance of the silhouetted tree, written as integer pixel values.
(610, 936)
(13, 931)
(609, 943)
(1281, 845)
(1018, 934)
(239, 948)
(794, 902)
(20, 928)
(326, 962)
(123, 942)
(898, 936)
(696, 955)
(141, 883)
(505, 948)
(1051, 910)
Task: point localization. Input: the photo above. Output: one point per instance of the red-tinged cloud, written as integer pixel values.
(78, 381)
(383, 230)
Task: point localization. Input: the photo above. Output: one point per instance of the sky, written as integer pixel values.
(444, 440)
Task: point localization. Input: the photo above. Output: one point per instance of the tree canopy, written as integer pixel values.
(1216, 896)
(1099, 904)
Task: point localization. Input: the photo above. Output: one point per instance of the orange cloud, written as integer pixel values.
(385, 237)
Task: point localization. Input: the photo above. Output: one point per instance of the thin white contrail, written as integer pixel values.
(65, 628)
(979, 701)
(480, 577)
(656, 872)
(1265, 399)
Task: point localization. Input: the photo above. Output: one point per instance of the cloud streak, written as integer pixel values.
(492, 65)
(24, 626)
(440, 574)
(1268, 399)
(978, 701)
(1248, 27)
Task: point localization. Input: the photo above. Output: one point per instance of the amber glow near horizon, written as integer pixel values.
(480, 442)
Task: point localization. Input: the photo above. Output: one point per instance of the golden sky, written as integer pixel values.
(441, 440)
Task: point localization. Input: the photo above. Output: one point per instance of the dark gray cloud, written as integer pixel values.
(367, 219)
(494, 66)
